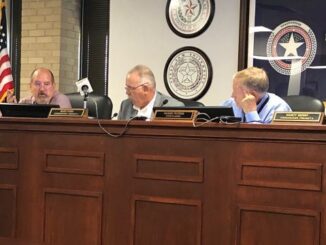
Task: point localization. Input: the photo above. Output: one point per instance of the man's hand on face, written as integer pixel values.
(248, 103)
(11, 98)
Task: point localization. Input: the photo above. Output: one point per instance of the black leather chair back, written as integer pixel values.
(191, 103)
(104, 104)
(304, 103)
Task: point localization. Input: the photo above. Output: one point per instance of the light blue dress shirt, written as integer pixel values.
(265, 109)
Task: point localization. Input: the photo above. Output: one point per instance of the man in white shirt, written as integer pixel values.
(140, 87)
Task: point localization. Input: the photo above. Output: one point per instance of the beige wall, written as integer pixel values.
(50, 38)
(139, 34)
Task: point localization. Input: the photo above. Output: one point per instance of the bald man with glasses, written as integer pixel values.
(142, 95)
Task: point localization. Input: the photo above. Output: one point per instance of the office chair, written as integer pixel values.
(104, 104)
(304, 103)
(191, 103)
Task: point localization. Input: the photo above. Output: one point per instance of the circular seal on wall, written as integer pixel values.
(189, 18)
(291, 47)
(188, 73)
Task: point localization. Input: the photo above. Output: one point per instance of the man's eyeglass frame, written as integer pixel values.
(130, 88)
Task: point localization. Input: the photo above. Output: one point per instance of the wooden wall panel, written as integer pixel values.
(281, 226)
(160, 221)
(7, 210)
(75, 162)
(72, 217)
(162, 167)
(8, 158)
(289, 175)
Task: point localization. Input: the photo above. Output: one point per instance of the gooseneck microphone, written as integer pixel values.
(84, 88)
(165, 102)
(114, 115)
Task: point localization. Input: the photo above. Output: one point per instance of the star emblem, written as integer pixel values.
(190, 7)
(187, 72)
(291, 47)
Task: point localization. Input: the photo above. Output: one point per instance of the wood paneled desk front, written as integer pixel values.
(68, 182)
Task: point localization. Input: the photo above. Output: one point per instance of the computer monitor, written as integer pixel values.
(206, 113)
(26, 110)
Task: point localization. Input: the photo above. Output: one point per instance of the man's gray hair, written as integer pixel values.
(254, 78)
(145, 73)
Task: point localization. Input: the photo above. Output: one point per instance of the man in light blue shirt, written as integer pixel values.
(250, 99)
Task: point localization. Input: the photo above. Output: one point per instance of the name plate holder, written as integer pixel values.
(298, 117)
(68, 112)
(175, 115)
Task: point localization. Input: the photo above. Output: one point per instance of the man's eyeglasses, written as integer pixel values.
(40, 84)
(131, 88)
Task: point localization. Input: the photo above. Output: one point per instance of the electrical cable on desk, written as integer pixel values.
(114, 115)
(202, 119)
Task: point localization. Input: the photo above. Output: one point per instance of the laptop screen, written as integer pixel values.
(26, 110)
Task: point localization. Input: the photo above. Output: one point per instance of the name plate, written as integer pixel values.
(299, 117)
(68, 112)
(175, 115)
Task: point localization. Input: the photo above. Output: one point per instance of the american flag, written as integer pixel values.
(6, 79)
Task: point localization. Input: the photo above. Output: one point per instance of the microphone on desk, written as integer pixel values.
(165, 102)
(114, 115)
(84, 88)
